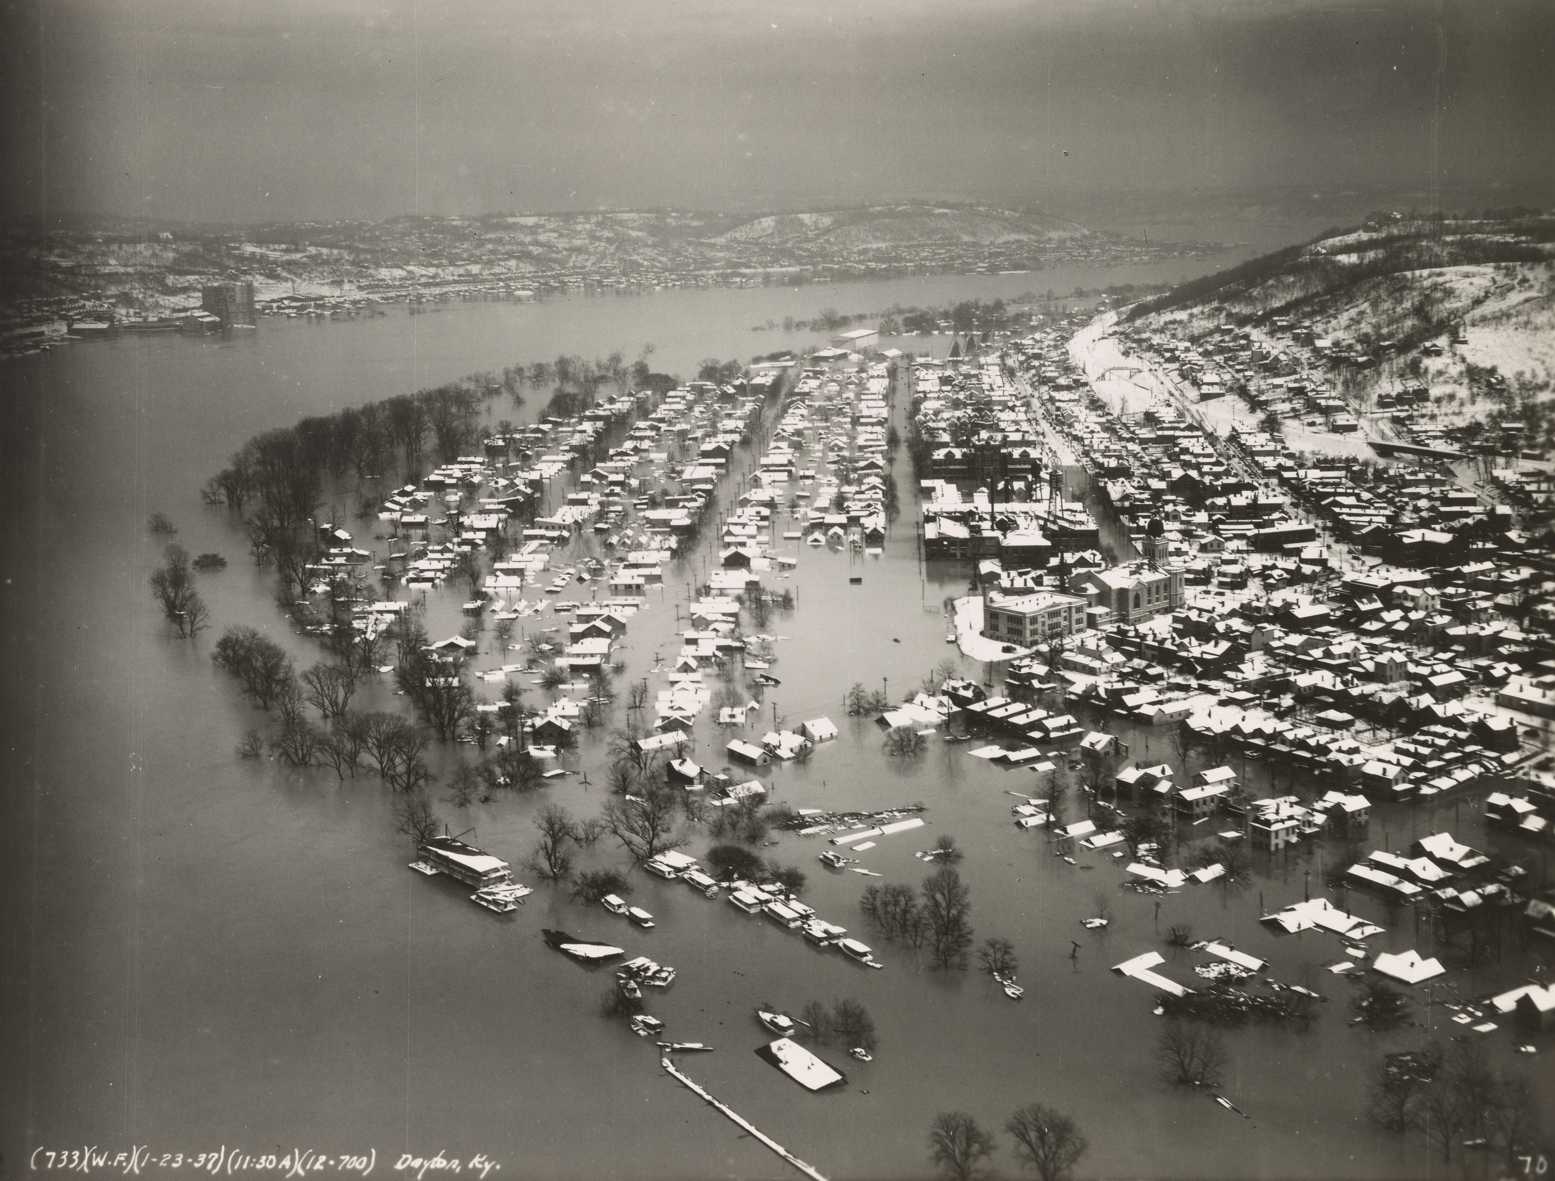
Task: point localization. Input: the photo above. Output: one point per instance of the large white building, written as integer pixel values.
(1033, 618)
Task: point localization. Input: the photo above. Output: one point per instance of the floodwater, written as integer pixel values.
(201, 951)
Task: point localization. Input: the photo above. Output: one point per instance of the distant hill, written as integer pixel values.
(1462, 306)
(907, 225)
(146, 268)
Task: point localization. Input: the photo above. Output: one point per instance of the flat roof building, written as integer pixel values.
(1024, 620)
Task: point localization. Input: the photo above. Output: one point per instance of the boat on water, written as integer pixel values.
(1011, 989)
(799, 1064)
(640, 917)
(862, 1054)
(585, 951)
(698, 880)
(833, 860)
(645, 1026)
(779, 1023)
(782, 914)
(822, 933)
(642, 970)
(950, 637)
(858, 952)
(462, 862)
(614, 903)
(501, 899)
(684, 1047)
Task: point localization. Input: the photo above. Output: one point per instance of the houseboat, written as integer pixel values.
(640, 917)
(748, 898)
(614, 903)
(462, 862)
(698, 880)
(799, 1064)
(782, 914)
(670, 865)
(858, 952)
(822, 933)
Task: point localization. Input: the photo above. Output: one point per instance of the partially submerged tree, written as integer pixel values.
(947, 909)
(644, 824)
(1379, 1006)
(1189, 1053)
(259, 663)
(853, 1025)
(997, 957)
(438, 689)
(903, 742)
(172, 584)
(959, 1146)
(1397, 1083)
(1046, 1140)
(415, 819)
(946, 851)
(329, 689)
(553, 854)
(728, 862)
(591, 886)
(816, 1020)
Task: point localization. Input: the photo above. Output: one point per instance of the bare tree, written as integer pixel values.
(644, 824)
(997, 957)
(415, 819)
(637, 696)
(553, 855)
(1046, 1140)
(946, 851)
(466, 785)
(1397, 1083)
(903, 742)
(816, 1018)
(591, 886)
(438, 689)
(947, 907)
(959, 1146)
(852, 1023)
(260, 664)
(329, 689)
(1189, 1053)
(172, 584)
(339, 750)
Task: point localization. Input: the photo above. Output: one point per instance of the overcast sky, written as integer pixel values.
(246, 110)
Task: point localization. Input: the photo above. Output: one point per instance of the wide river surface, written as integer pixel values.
(202, 951)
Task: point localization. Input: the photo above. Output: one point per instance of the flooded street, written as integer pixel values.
(214, 951)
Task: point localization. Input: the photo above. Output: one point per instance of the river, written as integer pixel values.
(201, 951)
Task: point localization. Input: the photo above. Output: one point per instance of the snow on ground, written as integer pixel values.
(969, 637)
